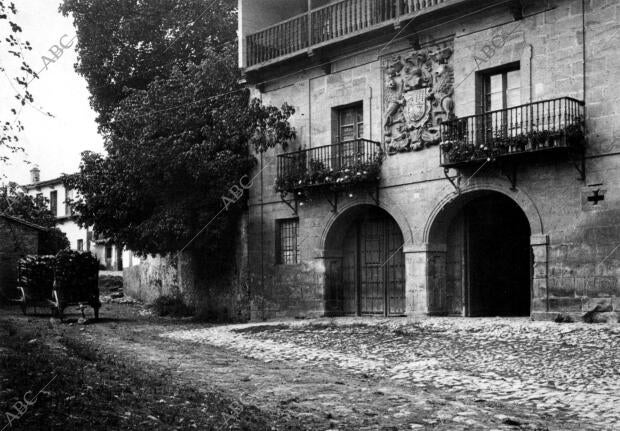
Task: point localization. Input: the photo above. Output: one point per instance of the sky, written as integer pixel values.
(52, 143)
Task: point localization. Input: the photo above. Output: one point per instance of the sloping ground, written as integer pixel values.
(440, 374)
(49, 381)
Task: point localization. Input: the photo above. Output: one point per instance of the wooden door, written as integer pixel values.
(348, 296)
(373, 268)
(334, 287)
(373, 258)
(395, 268)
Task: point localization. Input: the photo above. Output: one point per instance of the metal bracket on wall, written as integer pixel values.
(579, 161)
(510, 172)
(516, 9)
(288, 202)
(333, 203)
(457, 184)
(374, 196)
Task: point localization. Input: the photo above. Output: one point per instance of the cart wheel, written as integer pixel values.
(57, 308)
(22, 300)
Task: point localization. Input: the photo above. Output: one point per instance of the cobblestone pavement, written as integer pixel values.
(550, 369)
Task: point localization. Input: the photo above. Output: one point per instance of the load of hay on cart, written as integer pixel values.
(35, 281)
(70, 278)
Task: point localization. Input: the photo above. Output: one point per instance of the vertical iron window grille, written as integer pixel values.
(287, 252)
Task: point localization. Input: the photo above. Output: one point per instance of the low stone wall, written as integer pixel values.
(222, 296)
(151, 279)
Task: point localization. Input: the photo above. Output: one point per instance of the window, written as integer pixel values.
(108, 252)
(54, 202)
(80, 245)
(68, 197)
(500, 90)
(286, 241)
(347, 128)
(350, 123)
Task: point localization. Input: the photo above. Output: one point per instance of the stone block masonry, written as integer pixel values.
(16, 240)
(574, 258)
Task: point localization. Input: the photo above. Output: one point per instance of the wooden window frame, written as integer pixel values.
(54, 202)
(481, 83)
(483, 78)
(337, 121)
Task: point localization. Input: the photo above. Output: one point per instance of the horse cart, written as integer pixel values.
(68, 279)
(35, 281)
(76, 282)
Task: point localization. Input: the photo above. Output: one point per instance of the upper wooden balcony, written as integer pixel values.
(329, 24)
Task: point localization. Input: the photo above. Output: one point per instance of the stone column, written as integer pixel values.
(425, 278)
(327, 268)
(539, 300)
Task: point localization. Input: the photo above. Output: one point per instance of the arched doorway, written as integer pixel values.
(365, 264)
(488, 259)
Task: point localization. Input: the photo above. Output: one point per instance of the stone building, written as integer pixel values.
(18, 238)
(453, 157)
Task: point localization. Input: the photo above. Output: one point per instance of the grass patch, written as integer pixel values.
(93, 390)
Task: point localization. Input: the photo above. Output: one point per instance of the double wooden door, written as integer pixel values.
(373, 268)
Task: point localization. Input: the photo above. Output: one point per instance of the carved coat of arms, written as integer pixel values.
(418, 90)
(417, 106)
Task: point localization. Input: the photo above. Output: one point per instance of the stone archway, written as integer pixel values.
(487, 255)
(364, 262)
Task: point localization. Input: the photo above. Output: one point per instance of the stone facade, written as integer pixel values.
(574, 236)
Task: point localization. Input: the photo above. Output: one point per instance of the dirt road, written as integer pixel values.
(131, 370)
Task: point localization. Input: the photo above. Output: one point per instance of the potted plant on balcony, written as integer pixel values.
(519, 143)
(317, 173)
(539, 139)
(574, 132)
(502, 144)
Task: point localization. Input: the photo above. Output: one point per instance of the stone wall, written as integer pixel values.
(154, 277)
(16, 241)
(574, 241)
(223, 296)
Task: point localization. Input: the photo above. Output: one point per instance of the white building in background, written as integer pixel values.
(81, 239)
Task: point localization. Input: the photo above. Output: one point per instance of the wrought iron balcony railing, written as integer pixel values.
(332, 22)
(534, 127)
(338, 165)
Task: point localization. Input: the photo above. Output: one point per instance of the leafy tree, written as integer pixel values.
(125, 44)
(13, 47)
(179, 139)
(18, 204)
